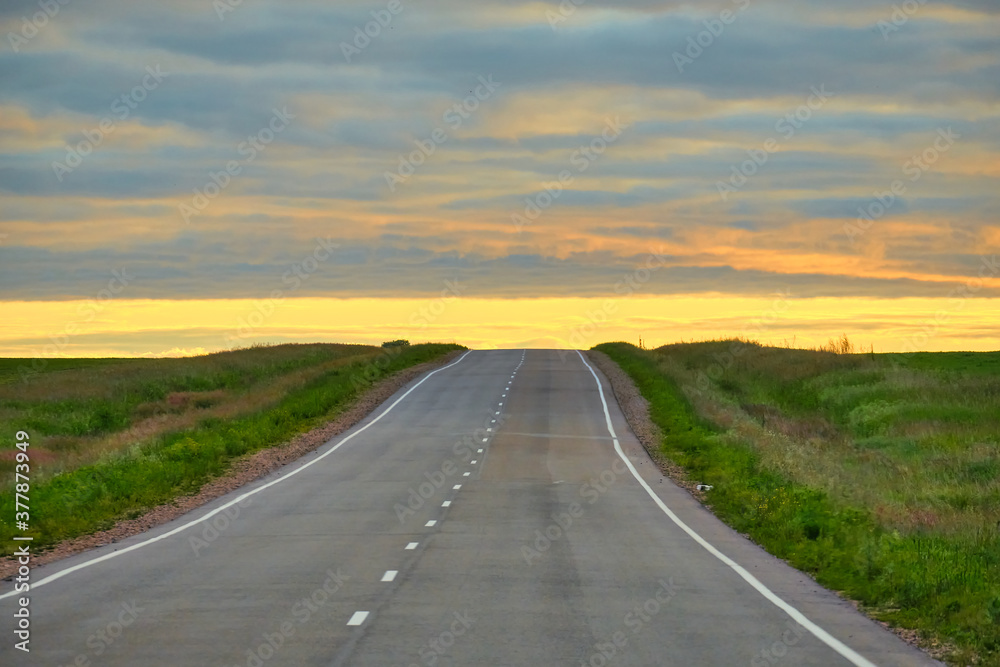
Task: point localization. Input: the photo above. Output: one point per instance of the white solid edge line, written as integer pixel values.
(821, 634)
(70, 570)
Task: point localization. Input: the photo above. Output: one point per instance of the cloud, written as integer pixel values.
(324, 176)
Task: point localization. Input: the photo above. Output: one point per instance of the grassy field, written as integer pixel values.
(878, 474)
(111, 438)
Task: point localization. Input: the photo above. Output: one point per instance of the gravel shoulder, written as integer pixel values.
(636, 410)
(243, 471)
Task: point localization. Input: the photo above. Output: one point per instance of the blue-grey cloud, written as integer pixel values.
(658, 182)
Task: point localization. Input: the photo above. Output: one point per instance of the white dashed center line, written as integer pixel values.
(389, 575)
(358, 618)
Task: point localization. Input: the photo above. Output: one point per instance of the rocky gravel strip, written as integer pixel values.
(244, 470)
(636, 410)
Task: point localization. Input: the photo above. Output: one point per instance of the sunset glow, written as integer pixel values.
(497, 174)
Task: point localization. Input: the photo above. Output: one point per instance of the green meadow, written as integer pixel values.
(878, 474)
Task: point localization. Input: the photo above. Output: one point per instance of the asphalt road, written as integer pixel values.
(486, 518)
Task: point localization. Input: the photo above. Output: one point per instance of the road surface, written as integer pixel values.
(497, 511)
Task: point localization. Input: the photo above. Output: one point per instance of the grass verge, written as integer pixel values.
(876, 474)
(130, 480)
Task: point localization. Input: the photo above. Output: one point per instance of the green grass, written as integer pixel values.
(878, 474)
(965, 362)
(321, 381)
(84, 397)
(14, 369)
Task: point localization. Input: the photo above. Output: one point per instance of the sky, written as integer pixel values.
(188, 176)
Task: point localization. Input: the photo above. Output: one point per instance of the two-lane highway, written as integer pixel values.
(497, 511)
